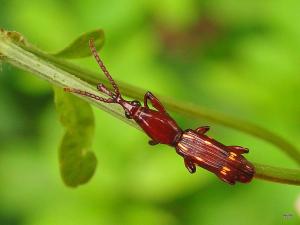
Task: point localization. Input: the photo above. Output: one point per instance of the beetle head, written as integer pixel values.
(130, 107)
(114, 96)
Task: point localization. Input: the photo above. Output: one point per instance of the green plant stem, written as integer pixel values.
(181, 107)
(65, 74)
(275, 174)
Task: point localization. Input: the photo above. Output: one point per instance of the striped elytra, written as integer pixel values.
(226, 162)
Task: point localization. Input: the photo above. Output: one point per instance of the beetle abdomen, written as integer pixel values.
(210, 154)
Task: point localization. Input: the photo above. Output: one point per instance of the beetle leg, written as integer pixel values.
(225, 179)
(238, 149)
(154, 101)
(202, 130)
(152, 142)
(189, 165)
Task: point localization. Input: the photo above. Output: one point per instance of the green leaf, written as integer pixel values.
(77, 162)
(79, 48)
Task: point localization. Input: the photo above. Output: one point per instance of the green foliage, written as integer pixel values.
(77, 162)
(239, 58)
(181, 107)
(79, 47)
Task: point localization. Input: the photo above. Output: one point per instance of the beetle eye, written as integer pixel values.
(136, 103)
(127, 114)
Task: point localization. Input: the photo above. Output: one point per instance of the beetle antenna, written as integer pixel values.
(102, 66)
(90, 95)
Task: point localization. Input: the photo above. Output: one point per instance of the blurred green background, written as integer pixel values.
(237, 57)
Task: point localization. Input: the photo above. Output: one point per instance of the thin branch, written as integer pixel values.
(276, 174)
(65, 74)
(183, 108)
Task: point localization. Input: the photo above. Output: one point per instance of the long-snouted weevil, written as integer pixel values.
(194, 146)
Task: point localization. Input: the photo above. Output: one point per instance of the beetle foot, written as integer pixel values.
(190, 165)
(238, 149)
(202, 130)
(151, 142)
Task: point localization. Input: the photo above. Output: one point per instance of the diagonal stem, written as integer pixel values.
(65, 74)
(183, 108)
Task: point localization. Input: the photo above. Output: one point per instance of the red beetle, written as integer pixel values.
(194, 146)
